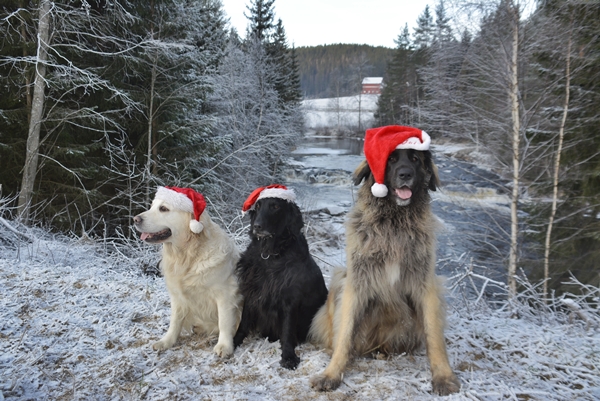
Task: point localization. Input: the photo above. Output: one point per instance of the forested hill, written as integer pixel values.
(337, 70)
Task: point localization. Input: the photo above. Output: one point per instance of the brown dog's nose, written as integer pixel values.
(137, 219)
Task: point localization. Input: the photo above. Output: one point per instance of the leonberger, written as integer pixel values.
(389, 299)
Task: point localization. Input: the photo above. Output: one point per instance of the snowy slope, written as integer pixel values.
(77, 320)
(340, 112)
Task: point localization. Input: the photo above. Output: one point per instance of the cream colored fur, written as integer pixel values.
(199, 274)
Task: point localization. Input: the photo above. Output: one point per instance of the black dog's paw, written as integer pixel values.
(290, 361)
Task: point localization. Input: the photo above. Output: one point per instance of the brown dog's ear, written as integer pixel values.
(434, 180)
(362, 172)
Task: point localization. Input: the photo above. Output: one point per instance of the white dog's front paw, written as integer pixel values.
(163, 344)
(223, 350)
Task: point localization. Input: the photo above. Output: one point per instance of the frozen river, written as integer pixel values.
(472, 204)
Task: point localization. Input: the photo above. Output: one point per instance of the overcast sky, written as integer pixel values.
(320, 22)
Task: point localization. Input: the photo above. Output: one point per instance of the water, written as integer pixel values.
(471, 205)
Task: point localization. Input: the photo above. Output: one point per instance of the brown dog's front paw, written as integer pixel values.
(446, 385)
(325, 383)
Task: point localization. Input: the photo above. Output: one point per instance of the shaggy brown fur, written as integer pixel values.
(389, 299)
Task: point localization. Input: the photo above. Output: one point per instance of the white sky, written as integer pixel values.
(320, 22)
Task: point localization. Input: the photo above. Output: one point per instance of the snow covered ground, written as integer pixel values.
(78, 317)
(337, 113)
(77, 320)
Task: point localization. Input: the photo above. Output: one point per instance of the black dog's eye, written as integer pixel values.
(163, 209)
(257, 207)
(393, 159)
(275, 206)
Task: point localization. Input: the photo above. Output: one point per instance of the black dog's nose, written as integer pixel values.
(257, 226)
(137, 219)
(405, 173)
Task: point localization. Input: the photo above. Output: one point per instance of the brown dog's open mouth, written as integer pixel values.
(156, 237)
(403, 193)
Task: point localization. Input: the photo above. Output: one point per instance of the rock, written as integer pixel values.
(335, 210)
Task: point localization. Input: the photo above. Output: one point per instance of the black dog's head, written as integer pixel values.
(275, 218)
(409, 174)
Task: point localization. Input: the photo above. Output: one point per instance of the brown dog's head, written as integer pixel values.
(409, 174)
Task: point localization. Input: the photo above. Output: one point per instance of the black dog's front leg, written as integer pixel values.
(289, 340)
(243, 328)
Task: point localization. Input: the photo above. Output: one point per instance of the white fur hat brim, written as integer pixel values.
(415, 143)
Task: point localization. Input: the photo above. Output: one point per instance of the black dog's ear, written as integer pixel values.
(252, 214)
(434, 180)
(295, 221)
(361, 173)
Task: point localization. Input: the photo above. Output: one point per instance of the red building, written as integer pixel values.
(372, 85)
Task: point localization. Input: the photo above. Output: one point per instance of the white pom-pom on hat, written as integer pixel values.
(196, 226)
(379, 190)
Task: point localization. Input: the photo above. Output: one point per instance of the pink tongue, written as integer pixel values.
(144, 236)
(403, 193)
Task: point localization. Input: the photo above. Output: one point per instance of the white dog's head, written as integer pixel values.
(162, 222)
(175, 214)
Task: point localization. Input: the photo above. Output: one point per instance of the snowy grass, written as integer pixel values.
(77, 320)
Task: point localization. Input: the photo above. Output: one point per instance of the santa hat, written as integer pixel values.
(381, 142)
(186, 200)
(271, 191)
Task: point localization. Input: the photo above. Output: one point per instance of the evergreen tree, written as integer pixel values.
(81, 106)
(294, 90)
(443, 31)
(124, 87)
(424, 33)
(283, 74)
(279, 54)
(400, 94)
(261, 16)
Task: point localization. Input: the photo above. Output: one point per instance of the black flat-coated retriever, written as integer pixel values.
(282, 285)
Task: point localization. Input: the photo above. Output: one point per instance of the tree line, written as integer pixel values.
(104, 101)
(521, 80)
(331, 70)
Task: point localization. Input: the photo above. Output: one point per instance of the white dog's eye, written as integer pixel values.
(163, 209)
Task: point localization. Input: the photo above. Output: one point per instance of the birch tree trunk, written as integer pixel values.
(151, 147)
(516, 136)
(37, 111)
(561, 134)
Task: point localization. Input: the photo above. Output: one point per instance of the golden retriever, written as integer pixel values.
(198, 267)
(388, 299)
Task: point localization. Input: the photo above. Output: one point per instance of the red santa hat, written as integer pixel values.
(381, 142)
(186, 200)
(271, 191)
